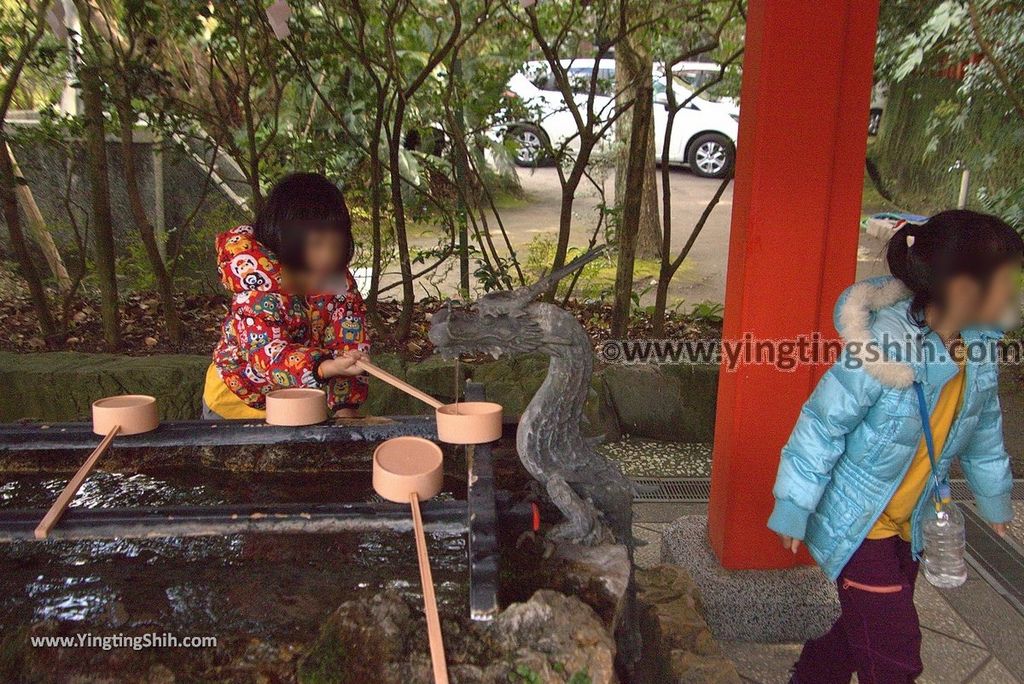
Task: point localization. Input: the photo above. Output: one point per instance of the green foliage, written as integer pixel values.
(329, 662)
(354, 88)
(42, 80)
(707, 312)
(956, 75)
(595, 279)
(523, 673)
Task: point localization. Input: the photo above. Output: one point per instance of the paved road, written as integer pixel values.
(701, 278)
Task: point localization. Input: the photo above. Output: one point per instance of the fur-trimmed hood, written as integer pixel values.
(872, 317)
(857, 318)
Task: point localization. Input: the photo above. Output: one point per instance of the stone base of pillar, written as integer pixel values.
(765, 606)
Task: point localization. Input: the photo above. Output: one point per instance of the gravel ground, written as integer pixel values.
(649, 458)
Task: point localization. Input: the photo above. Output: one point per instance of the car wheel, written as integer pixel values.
(711, 155)
(530, 145)
(429, 140)
(874, 121)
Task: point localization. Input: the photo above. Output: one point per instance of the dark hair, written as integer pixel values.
(299, 204)
(951, 243)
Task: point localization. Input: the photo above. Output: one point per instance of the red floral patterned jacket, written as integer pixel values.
(271, 339)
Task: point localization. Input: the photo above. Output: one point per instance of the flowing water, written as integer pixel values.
(272, 587)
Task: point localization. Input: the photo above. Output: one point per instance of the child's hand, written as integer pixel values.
(789, 543)
(999, 528)
(345, 364)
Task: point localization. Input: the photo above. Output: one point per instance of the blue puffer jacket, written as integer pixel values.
(856, 436)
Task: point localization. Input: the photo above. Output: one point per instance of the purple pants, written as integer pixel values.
(878, 635)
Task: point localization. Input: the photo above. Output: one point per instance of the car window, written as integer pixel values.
(579, 79)
(694, 78)
(540, 76)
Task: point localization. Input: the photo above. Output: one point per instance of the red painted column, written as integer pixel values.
(807, 74)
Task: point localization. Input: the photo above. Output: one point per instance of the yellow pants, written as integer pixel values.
(219, 398)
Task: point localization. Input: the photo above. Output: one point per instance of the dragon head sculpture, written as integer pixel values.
(508, 322)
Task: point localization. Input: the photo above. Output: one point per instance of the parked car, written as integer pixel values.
(703, 133)
(695, 75)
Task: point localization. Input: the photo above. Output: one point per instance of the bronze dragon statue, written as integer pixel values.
(589, 490)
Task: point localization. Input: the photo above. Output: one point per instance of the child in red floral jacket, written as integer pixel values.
(296, 317)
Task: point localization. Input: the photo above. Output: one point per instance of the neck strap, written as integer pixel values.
(941, 492)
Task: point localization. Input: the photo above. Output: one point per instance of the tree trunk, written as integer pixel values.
(36, 223)
(376, 209)
(96, 168)
(8, 182)
(648, 244)
(398, 210)
(633, 66)
(629, 224)
(164, 281)
(670, 266)
(461, 175)
(565, 213)
(20, 247)
(660, 304)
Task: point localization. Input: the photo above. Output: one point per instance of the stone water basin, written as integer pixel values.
(271, 589)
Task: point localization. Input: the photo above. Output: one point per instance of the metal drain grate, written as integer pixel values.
(698, 490)
(997, 559)
(671, 489)
(962, 492)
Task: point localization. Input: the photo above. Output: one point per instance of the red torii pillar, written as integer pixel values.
(807, 76)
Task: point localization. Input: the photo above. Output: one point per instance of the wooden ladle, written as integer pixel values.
(296, 406)
(126, 414)
(409, 470)
(466, 422)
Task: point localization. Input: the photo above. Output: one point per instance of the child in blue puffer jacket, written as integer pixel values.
(855, 478)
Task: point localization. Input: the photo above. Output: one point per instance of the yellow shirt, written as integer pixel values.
(895, 519)
(225, 403)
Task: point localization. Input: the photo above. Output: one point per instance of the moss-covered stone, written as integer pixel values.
(675, 403)
(678, 646)
(385, 400)
(436, 376)
(61, 386)
(669, 402)
(511, 381)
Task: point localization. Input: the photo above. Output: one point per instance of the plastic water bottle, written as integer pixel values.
(944, 543)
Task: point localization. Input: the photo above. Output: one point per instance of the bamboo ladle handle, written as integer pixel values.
(53, 515)
(434, 635)
(382, 374)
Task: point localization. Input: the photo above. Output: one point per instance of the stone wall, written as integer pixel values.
(56, 174)
(666, 402)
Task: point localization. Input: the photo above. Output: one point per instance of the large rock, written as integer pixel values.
(597, 574)
(670, 402)
(367, 641)
(678, 645)
(556, 637)
(764, 606)
(61, 386)
(549, 638)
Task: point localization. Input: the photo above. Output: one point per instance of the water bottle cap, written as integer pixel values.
(945, 494)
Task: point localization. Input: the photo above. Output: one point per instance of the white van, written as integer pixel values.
(703, 133)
